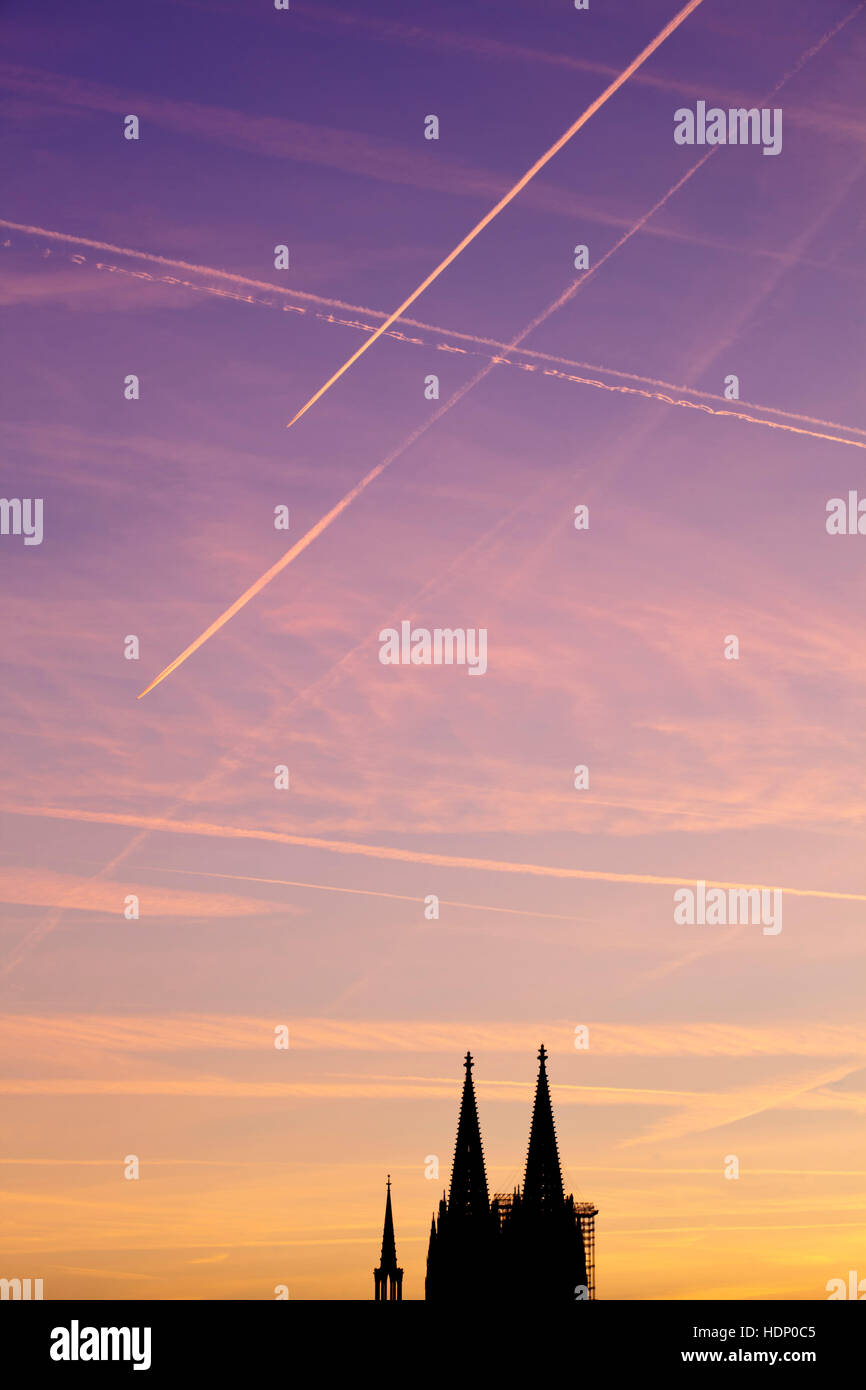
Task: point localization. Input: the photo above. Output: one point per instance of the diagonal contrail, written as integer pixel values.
(480, 341)
(375, 472)
(324, 522)
(208, 829)
(176, 264)
(307, 539)
(506, 199)
(570, 917)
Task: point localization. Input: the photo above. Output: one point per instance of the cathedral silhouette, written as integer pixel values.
(535, 1244)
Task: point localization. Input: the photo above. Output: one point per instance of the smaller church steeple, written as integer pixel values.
(388, 1277)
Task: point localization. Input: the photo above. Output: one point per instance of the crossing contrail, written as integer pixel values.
(324, 522)
(481, 342)
(662, 396)
(505, 200)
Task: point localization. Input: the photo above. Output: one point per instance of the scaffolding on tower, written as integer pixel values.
(585, 1213)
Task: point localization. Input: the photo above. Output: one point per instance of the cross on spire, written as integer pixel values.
(389, 1244)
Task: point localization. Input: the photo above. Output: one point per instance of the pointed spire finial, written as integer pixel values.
(542, 1054)
(389, 1246)
(467, 1061)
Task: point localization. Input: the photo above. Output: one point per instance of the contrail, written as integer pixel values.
(710, 410)
(506, 199)
(375, 472)
(405, 856)
(314, 532)
(181, 265)
(514, 346)
(324, 522)
(638, 226)
(480, 341)
(47, 925)
(321, 525)
(368, 893)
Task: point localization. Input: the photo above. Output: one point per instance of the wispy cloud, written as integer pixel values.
(809, 1038)
(47, 888)
(407, 856)
(713, 1110)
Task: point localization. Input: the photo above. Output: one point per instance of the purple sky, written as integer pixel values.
(605, 647)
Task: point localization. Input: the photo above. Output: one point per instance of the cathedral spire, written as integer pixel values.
(468, 1194)
(388, 1278)
(542, 1184)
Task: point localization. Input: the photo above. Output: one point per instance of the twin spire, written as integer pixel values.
(527, 1241)
(542, 1184)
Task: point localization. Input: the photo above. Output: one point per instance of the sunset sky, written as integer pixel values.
(262, 907)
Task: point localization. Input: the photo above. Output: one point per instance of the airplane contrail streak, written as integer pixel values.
(406, 856)
(507, 198)
(175, 264)
(375, 472)
(315, 531)
(368, 893)
(307, 539)
(324, 522)
(709, 410)
(480, 341)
